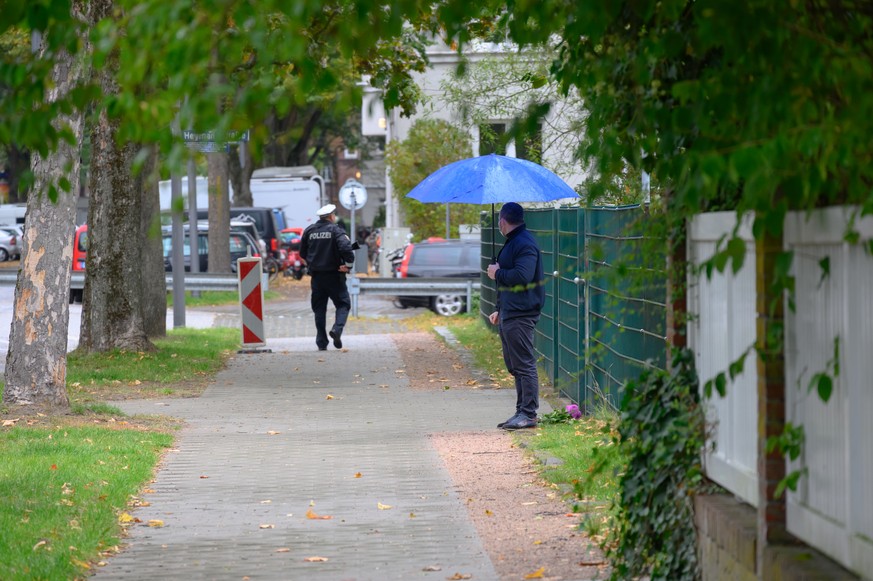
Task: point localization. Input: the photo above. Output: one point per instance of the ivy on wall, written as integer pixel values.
(661, 433)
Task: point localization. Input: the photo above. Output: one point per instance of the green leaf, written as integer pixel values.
(721, 384)
(823, 384)
(825, 266)
(736, 249)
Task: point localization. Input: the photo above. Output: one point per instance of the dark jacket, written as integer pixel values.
(520, 288)
(325, 247)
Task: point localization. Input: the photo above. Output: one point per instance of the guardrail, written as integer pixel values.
(411, 287)
(194, 281)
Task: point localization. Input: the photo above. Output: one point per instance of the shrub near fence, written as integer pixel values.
(603, 321)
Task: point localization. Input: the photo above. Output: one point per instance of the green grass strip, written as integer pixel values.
(216, 298)
(184, 354)
(62, 492)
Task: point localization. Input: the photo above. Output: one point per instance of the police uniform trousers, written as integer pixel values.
(329, 285)
(517, 337)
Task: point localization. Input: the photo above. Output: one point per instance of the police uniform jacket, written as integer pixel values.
(325, 247)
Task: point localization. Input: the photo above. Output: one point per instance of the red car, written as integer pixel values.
(80, 251)
(292, 265)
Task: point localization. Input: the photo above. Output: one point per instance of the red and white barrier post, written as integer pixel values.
(251, 299)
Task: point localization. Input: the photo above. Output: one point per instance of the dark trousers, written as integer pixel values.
(329, 285)
(517, 337)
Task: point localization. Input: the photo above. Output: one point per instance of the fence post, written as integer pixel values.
(772, 527)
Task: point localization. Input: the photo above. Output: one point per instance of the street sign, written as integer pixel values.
(353, 195)
(206, 142)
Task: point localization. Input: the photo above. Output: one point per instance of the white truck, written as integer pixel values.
(13, 214)
(297, 191)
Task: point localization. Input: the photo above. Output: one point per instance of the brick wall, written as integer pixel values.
(728, 547)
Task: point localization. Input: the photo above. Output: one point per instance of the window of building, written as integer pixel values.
(492, 138)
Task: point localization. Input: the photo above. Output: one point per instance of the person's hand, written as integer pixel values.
(492, 271)
(344, 268)
(492, 318)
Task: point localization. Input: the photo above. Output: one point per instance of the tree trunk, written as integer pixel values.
(240, 168)
(154, 309)
(112, 304)
(219, 214)
(36, 363)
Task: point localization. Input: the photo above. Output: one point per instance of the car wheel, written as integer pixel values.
(4, 255)
(447, 305)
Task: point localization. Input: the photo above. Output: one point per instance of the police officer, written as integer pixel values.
(326, 249)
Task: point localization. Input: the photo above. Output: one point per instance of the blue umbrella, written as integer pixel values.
(491, 179)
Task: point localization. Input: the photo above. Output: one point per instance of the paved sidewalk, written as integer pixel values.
(265, 444)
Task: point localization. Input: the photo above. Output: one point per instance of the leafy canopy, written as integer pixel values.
(431, 144)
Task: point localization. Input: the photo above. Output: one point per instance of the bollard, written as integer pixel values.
(251, 294)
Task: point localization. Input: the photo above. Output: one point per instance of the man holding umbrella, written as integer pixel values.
(520, 297)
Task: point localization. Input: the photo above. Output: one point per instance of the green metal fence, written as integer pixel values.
(604, 317)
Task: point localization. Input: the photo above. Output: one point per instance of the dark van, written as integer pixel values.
(268, 221)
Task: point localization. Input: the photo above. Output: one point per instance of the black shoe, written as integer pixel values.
(504, 422)
(520, 423)
(337, 342)
(322, 348)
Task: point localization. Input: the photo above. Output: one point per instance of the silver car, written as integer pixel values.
(10, 243)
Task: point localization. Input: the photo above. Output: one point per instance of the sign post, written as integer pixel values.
(353, 196)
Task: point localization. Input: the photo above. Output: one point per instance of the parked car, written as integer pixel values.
(241, 245)
(292, 264)
(80, 252)
(10, 240)
(438, 258)
(80, 247)
(269, 222)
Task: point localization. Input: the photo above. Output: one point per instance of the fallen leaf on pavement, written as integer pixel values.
(381, 506)
(266, 526)
(458, 576)
(156, 523)
(310, 514)
(488, 512)
(315, 559)
(203, 476)
(432, 568)
(329, 396)
(283, 550)
(125, 518)
(538, 574)
(273, 433)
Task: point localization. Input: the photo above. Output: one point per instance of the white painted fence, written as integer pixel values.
(722, 328)
(832, 509)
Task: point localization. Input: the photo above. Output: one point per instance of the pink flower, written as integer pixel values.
(573, 410)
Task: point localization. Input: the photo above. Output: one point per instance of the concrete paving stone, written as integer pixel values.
(264, 444)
